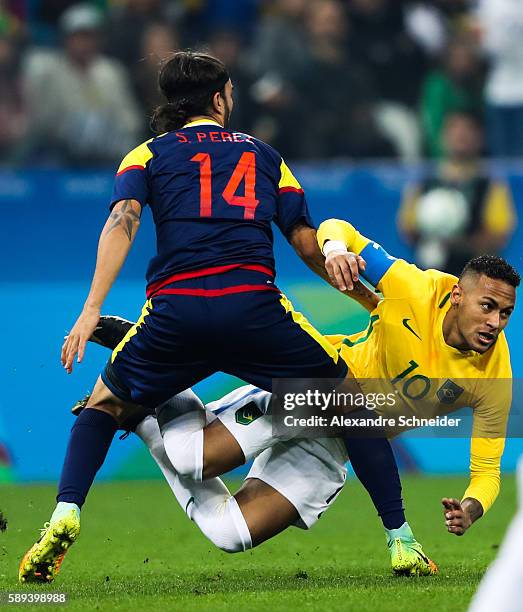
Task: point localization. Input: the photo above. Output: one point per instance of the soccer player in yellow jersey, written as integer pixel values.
(441, 339)
(435, 335)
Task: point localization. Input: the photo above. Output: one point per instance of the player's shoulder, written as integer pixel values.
(264, 148)
(407, 278)
(138, 157)
(271, 161)
(284, 175)
(441, 283)
(440, 279)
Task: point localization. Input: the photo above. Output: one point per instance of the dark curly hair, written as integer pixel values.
(493, 266)
(188, 80)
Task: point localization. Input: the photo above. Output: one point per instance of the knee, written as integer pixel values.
(231, 547)
(224, 535)
(225, 527)
(185, 455)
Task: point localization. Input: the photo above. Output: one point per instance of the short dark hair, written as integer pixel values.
(188, 80)
(492, 266)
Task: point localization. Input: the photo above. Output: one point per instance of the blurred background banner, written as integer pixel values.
(403, 116)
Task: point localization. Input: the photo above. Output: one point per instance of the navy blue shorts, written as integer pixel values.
(181, 339)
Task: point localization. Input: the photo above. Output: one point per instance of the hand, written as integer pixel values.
(77, 339)
(457, 519)
(343, 269)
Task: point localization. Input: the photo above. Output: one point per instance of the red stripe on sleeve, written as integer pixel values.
(291, 190)
(130, 168)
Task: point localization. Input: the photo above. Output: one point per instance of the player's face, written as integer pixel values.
(484, 306)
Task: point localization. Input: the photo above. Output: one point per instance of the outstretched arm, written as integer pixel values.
(485, 459)
(304, 241)
(113, 247)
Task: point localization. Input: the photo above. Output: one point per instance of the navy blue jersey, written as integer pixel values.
(213, 195)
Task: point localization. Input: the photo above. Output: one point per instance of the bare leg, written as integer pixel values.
(104, 400)
(266, 511)
(221, 451)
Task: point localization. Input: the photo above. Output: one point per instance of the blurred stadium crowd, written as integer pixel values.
(316, 78)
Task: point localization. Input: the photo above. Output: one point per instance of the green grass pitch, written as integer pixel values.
(137, 551)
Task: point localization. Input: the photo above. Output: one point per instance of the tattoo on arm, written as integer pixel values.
(126, 218)
(473, 508)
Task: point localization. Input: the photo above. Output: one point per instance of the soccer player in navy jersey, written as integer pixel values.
(211, 299)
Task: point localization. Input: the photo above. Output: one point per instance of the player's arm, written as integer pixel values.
(130, 195)
(113, 247)
(393, 277)
(486, 448)
(303, 239)
(294, 220)
(485, 479)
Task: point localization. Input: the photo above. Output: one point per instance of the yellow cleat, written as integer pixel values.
(41, 563)
(408, 559)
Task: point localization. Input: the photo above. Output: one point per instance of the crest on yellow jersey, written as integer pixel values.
(449, 392)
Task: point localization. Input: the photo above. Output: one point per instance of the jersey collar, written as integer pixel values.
(201, 122)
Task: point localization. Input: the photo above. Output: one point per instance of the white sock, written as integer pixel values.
(63, 508)
(209, 504)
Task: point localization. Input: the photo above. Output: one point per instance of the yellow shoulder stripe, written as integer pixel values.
(137, 158)
(287, 178)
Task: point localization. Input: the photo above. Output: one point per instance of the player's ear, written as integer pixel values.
(218, 102)
(456, 294)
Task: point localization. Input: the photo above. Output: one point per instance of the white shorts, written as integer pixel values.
(309, 473)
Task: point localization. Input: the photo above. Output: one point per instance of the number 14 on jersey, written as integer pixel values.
(244, 172)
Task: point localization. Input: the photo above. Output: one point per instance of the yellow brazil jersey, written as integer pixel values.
(404, 344)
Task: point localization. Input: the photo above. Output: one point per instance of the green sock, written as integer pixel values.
(404, 533)
(63, 508)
